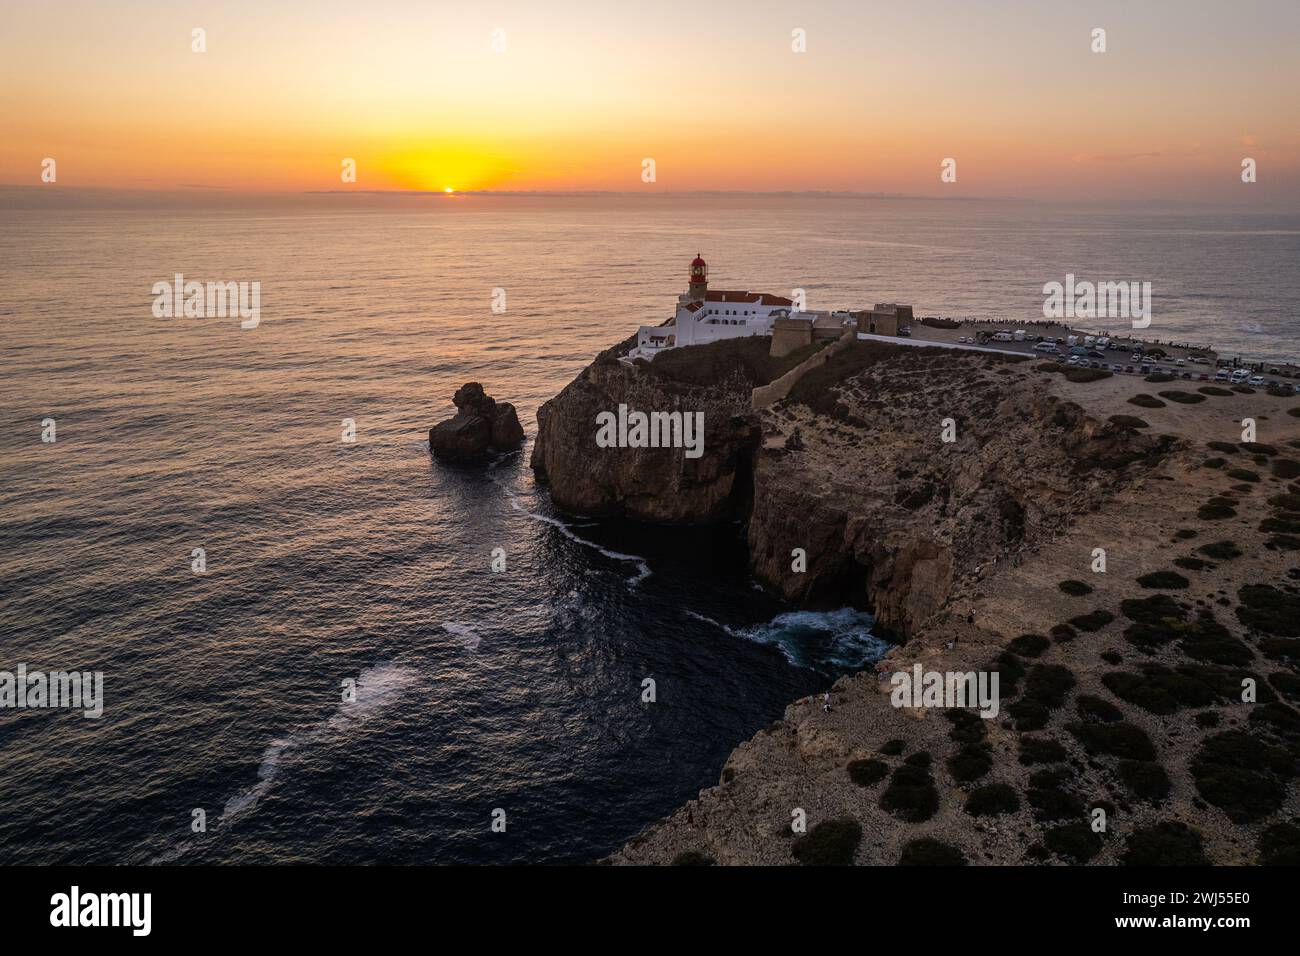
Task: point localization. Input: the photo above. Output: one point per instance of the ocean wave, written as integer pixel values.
(817, 640)
(376, 689)
(469, 638)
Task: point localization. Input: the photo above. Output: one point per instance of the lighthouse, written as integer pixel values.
(699, 286)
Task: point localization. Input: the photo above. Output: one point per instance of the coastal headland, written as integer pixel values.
(1120, 549)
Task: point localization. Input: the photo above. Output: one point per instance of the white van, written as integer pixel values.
(1018, 335)
(1072, 340)
(1002, 336)
(1049, 347)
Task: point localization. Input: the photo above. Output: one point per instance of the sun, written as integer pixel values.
(449, 190)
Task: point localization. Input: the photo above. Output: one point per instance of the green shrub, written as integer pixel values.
(1144, 780)
(1241, 775)
(1168, 843)
(1117, 740)
(919, 759)
(1036, 750)
(693, 858)
(1227, 447)
(1075, 588)
(1095, 708)
(830, 843)
(1093, 620)
(892, 748)
(1192, 564)
(1221, 550)
(867, 773)
(1286, 467)
(970, 762)
(967, 726)
(1242, 474)
(992, 800)
(1265, 608)
(1215, 391)
(911, 795)
(1158, 378)
(1063, 633)
(1142, 400)
(1128, 421)
(1164, 580)
(1073, 841)
(1182, 398)
(1054, 803)
(1029, 645)
(928, 851)
(1279, 845)
(1214, 463)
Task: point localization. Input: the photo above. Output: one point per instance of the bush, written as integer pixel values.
(1241, 775)
(1216, 509)
(1075, 588)
(1118, 740)
(1159, 690)
(1215, 391)
(1167, 843)
(1144, 780)
(1221, 550)
(1029, 645)
(1192, 564)
(1279, 845)
(1093, 620)
(911, 795)
(930, 852)
(919, 759)
(971, 762)
(830, 843)
(1227, 447)
(1242, 474)
(1036, 750)
(1128, 421)
(1063, 633)
(1165, 580)
(1182, 398)
(1214, 463)
(1159, 378)
(892, 748)
(1075, 373)
(693, 858)
(1142, 400)
(1073, 841)
(1265, 608)
(867, 773)
(1095, 708)
(1286, 468)
(967, 727)
(992, 800)
(1054, 803)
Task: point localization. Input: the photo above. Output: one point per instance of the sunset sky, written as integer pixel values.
(713, 92)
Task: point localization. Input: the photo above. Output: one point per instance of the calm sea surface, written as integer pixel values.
(330, 562)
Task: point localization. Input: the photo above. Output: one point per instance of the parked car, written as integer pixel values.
(1202, 377)
(1128, 368)
(1146, 369)
(1046, 347)
(961, 340)
(1117, 368)
(1072, 360)
(1187, 375)
(1222, 375)
(1239, 376)
(1180, 363)
(905, 333)
(1256, 380)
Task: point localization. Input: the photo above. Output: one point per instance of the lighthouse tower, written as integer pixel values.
(699, 280)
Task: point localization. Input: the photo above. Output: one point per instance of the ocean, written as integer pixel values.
(348, 680)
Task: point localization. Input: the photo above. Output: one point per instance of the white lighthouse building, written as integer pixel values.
(705, 315)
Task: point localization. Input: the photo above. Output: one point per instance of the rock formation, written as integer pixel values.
(481, 425)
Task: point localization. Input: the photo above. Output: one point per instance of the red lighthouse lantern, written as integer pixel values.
(699, 279)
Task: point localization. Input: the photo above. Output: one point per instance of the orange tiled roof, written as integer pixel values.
(762, 298)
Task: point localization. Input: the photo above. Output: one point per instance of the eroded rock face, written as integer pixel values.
(894, 518)
(481, 426)
(661, 485)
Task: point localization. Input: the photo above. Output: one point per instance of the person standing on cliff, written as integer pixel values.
(826, 702)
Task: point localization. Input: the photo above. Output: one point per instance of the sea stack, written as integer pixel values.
(481, 425)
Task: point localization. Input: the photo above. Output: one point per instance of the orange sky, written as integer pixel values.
(583, 92)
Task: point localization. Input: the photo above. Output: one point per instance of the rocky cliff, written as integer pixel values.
(1148, 704)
